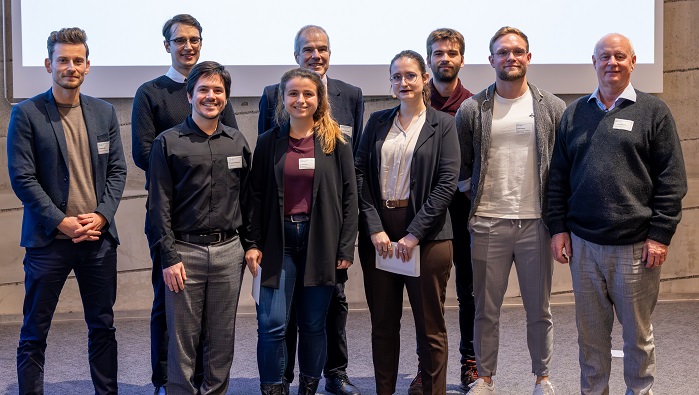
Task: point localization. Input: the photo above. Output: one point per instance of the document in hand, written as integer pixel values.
(396, 265)
(256, 285)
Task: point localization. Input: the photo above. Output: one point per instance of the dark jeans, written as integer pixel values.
(158, 323)
(274, 310)
(459, 209)
(335, 330)
(46, 270)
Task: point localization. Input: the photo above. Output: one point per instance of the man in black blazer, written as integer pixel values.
(67, 166)
(312, 51)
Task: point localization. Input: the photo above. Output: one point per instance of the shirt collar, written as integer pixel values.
(628, 94)
(175, 75)
(192, 127)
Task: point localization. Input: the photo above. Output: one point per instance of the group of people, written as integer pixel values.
(507, 175)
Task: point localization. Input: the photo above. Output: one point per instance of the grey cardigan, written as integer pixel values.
(473, 124)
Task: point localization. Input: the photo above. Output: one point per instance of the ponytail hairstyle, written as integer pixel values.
(325, 128)
(410, 54)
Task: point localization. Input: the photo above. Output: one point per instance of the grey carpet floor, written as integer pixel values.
(676, 334)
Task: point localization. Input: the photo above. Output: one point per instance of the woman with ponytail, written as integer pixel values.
(407, 166)
(302, 221)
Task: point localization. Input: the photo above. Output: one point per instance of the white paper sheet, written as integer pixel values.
(396, 265)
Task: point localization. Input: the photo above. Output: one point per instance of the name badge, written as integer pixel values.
(103, 148)
(623, 124)
(523, 128)
(235, 162)
(346, 130)
(307, 163)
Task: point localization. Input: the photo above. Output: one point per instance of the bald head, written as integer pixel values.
(614, 38)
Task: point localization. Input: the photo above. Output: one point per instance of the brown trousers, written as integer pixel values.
(384, 293)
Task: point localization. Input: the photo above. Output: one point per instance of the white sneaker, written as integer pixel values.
(544, 388)
(480, 387)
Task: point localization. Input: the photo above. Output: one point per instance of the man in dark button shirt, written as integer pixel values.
(197, 173)
(159, 105)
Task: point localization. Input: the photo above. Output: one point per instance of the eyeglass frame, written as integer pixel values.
(401, 77)
(185, 40)
(505, 53)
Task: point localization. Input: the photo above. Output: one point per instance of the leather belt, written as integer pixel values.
(396, 203)
(206, 238)
(297, 218)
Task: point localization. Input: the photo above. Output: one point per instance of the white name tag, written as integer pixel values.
(346, 130)
(522, 128)
(307, 163)
(103, 148)
(235, 162)
(623, 124)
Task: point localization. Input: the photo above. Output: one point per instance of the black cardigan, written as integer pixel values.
(333, 223)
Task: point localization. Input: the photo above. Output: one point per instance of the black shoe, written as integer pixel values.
(160, 390)
(307, 385)
(273, 389)
(416, 385)
(340, 385)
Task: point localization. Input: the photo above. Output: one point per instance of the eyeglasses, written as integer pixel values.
(505, 53)
(408, 77)
(182, 41)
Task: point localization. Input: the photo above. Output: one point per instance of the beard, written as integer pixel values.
(513, 75)
(446, 75)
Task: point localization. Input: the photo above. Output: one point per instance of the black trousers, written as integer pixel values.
(46, 270)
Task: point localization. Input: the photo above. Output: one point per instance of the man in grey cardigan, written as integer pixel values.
(506, 134)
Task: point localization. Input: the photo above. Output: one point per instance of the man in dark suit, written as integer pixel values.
(66, 165)
(312, 51)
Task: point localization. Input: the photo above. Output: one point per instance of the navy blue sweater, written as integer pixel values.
(616, 186)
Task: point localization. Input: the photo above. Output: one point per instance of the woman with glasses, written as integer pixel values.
(303, 225)
(407, 166)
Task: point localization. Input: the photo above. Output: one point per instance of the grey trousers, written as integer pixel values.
(207, 304)
(609, 279)
(495, 244)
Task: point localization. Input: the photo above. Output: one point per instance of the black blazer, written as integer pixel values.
(37, 158)
(346, 108)
(333, 223)
(433, 175)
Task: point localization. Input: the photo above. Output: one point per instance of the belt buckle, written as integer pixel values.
(294, 218)
(389, 204)
(219, 237)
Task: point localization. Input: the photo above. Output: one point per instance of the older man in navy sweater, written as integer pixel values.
(615, 194)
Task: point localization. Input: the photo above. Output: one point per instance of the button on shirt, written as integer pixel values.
(397, 156)
(195, 184)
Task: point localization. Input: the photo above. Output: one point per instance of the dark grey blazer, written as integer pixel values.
(433, 175)
(38, 164)
(333, 223)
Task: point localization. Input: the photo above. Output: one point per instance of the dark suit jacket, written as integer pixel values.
(346, 108)
(433, 175)
(333, 223)
(38, 164)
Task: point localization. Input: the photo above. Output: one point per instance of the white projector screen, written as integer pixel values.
(254, 39)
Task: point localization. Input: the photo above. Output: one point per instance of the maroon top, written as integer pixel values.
(298, 183)
(449, 104)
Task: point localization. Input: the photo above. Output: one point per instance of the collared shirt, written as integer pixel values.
(175, 75)
(195, 184)
(397, 157)
(628, 94)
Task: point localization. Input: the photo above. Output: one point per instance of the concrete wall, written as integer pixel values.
(680, 272)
